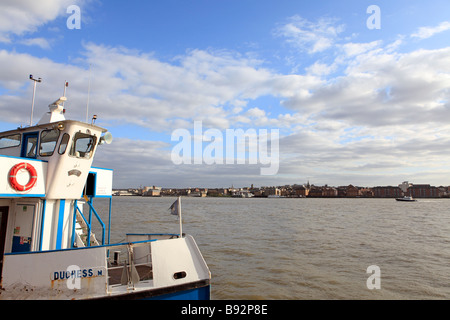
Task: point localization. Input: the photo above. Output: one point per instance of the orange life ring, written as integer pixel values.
(13, 173)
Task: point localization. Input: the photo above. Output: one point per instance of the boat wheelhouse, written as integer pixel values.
(47, 247)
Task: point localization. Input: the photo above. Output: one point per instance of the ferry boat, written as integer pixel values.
(47, 246)
(406, 198)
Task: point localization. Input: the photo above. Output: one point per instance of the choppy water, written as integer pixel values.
(306, 248)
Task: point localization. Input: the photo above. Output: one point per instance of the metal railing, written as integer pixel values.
(88, 223)
(130, 263)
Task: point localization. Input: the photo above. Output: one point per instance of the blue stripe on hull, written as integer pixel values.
(202, 293)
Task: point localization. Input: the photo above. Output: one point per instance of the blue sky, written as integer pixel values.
(353, 105)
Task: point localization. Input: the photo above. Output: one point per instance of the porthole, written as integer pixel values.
(179, 275)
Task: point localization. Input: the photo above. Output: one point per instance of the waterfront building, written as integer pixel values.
(213, 192)
(423, 191)
(366, 192)
(315, 192)
(443, 191)
(387, 192)
(301, 191)
(342, 191)
(352, 191)
(329, 192)
(272, 191)
(404, 186)
(152, 191)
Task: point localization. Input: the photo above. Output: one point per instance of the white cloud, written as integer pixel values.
(256, 113)
(320, 69)
(16, 68)
(353, 49)
(203, 86)
(40, 42)
(18, 17)
(427, 32)
(312, 37)
(380, 88)
(137, 88)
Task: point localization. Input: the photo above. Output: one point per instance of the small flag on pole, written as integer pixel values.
(175, 209)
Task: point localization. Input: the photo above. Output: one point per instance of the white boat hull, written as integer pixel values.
(406, 199)
(178, 271)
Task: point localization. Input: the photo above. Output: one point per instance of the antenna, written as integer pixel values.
(66, 84)
(89, 91)
(34, 93)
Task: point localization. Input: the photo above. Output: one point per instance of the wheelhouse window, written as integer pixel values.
(83, 145)
(49, 138)
(10, 141)
(63, 144)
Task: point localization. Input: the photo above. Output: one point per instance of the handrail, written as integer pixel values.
(99, 220)
(88, 240)
(106, 246)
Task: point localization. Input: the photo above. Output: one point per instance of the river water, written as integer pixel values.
(296, 249)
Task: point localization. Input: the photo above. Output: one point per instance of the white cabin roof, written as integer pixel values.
(56, 112)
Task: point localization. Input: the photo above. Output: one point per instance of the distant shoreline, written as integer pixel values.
(297, 191)
(266, 197)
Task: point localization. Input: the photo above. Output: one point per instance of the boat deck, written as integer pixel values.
(115, 273)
